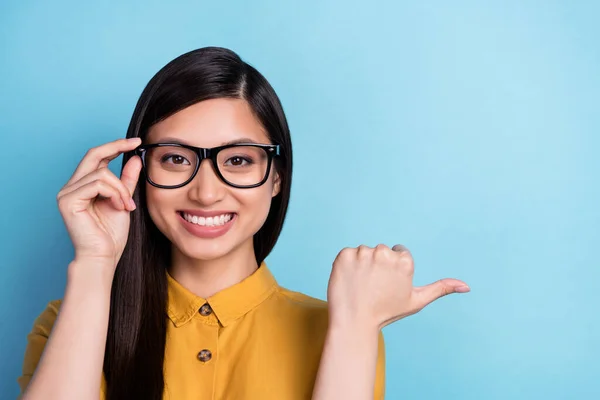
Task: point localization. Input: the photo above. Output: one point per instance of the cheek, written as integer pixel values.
(256, 205)
(156, 200)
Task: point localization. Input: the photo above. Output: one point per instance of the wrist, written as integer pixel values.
(360, 340)
(359, 326)
(97, 273)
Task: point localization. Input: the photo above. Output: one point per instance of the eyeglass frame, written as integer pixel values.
(203, 153)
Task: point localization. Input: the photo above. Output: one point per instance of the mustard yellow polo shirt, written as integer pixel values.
(253, 340)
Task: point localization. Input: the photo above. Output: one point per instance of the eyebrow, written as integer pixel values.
(235, 141)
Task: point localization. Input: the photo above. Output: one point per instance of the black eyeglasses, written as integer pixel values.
(173, 165)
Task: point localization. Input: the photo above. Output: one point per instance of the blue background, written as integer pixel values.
(466, 130)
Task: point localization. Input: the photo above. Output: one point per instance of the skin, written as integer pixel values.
(368, 288)
(206, 266)
(95, 207)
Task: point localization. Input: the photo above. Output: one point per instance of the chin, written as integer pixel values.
(204, 250)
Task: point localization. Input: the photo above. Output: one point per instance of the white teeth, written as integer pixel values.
(210, 221)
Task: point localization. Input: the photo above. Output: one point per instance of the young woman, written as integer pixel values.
(168, 295)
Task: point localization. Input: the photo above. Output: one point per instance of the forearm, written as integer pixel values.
(71, 365)
(348, 364)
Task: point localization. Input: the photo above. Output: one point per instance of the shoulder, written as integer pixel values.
(36, 341)
(45, 320)
(43, 323)
(297, 310)
(310, 309)
(301, 299)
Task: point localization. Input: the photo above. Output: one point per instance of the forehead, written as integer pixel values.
(210, 123)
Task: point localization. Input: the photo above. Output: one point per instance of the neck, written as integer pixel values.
(205, 278)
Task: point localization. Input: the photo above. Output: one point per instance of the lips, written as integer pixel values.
(217, 220)
(206, 214)
(207, 230)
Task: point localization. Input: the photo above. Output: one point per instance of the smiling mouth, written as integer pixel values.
(215, 221)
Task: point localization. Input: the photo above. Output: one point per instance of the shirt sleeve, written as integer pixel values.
(36, 341)
(380, 370)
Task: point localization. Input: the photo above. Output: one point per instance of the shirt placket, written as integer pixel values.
(207, 351)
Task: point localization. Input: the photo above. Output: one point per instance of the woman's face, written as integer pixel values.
(210, 123)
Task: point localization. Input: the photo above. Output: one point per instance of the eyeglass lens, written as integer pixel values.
(174, 165)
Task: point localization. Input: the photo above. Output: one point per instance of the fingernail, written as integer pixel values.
(132, 204)
(462, 289)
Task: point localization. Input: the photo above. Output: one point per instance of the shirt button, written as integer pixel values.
(205, 310)
(204, 355)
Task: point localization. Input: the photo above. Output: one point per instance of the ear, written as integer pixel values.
(276, 184)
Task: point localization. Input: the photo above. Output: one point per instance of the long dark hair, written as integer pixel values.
(133, 362)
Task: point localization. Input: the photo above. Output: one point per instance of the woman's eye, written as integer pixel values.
(238, 161)
(174, 159)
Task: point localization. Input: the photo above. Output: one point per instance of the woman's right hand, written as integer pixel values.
(95, 204)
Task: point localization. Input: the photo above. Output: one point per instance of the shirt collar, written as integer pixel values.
(228, 305)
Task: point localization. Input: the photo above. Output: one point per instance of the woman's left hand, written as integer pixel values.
(373, 287)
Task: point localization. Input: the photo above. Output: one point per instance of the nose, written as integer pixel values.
(206, 187)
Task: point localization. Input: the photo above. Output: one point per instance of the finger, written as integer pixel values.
(425, 295)
(346, 254)
(103, 174)
(102, 155)
(404, 255)
(131, 173)
(400, 248)
(364, 252)
(79, 199)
